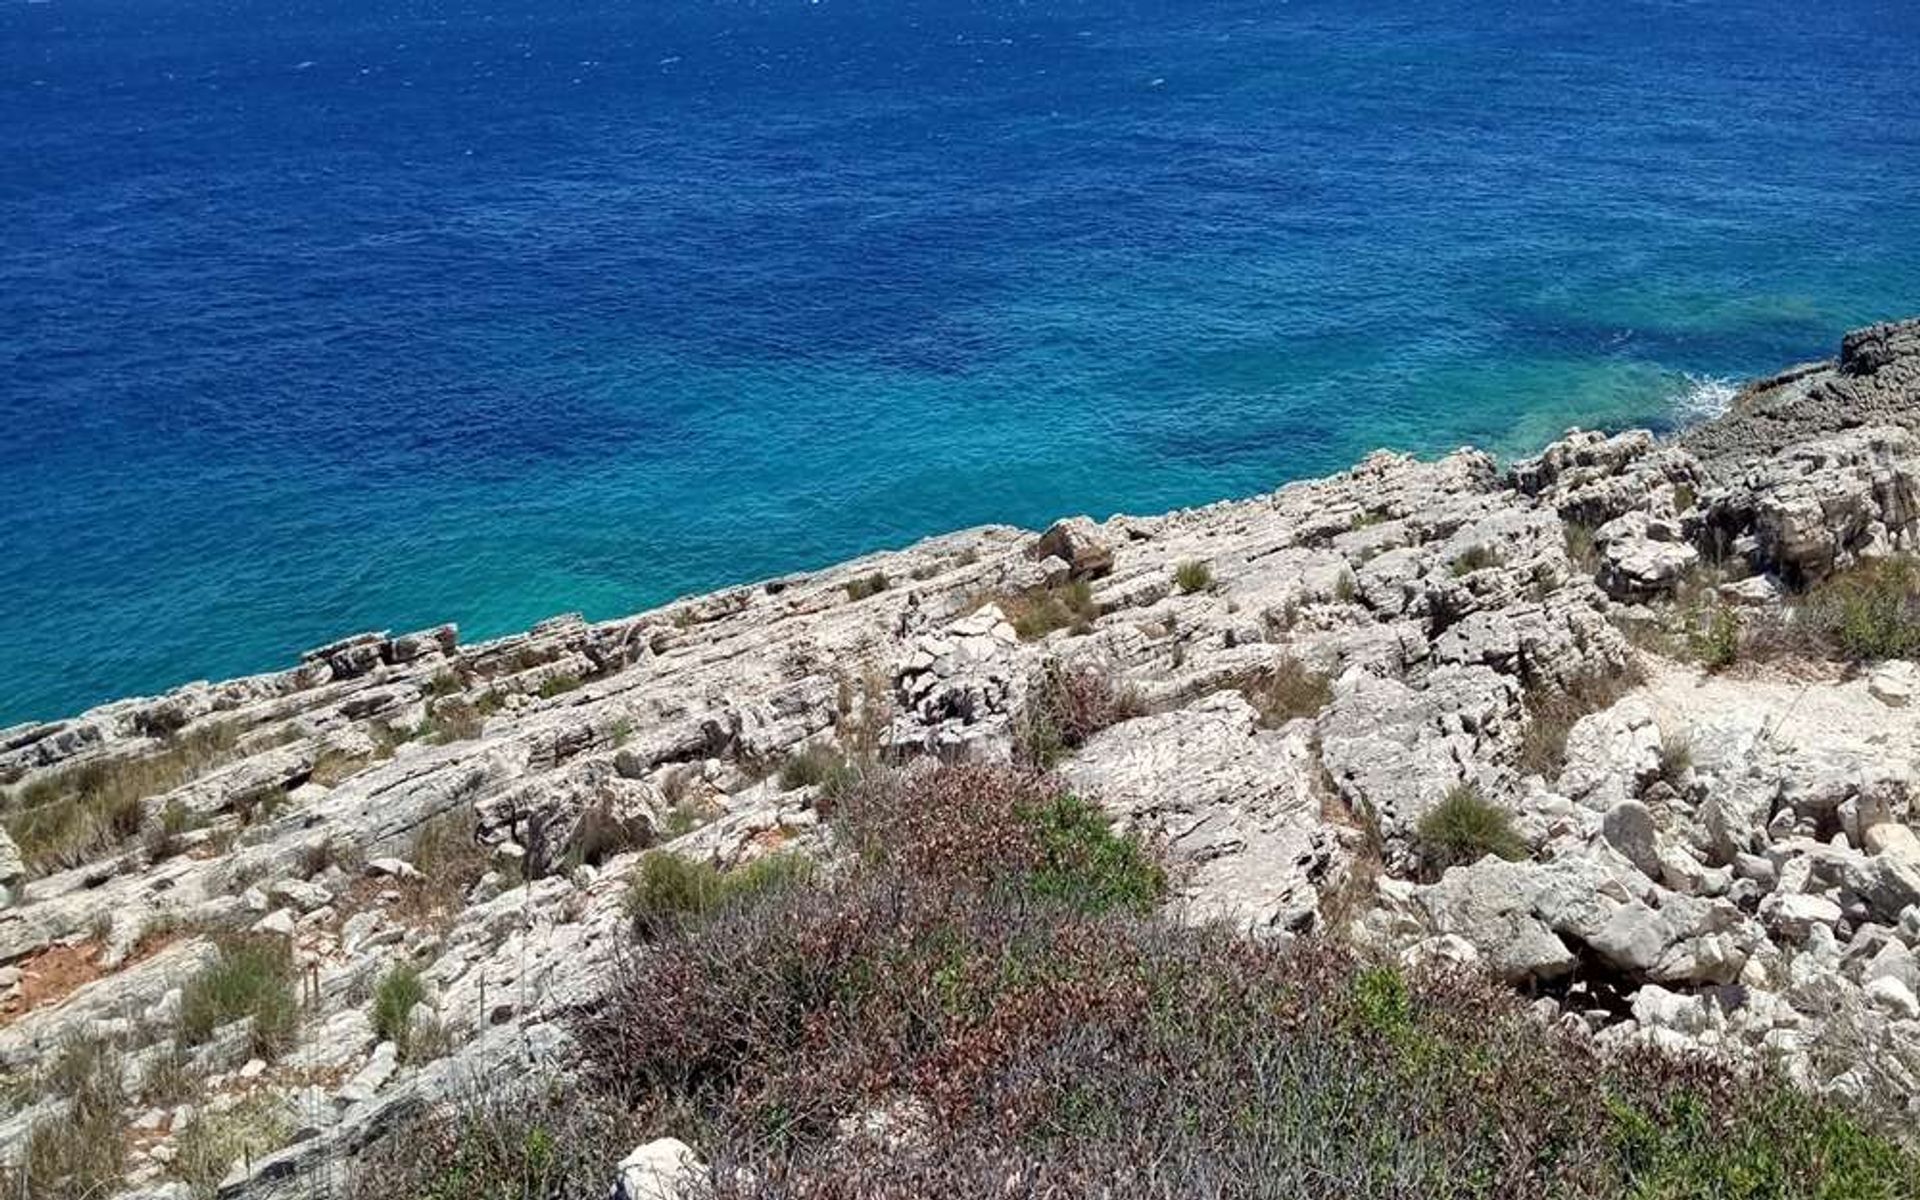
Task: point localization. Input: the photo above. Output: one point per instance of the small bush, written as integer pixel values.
(1082, 863)
(393, 999)
(1194, 576)
(1464, 828)
(868, 585)
(1065, 706)
(251, 978)
(1714, 638)
(1476, 558)
(1676, 758)
(1870, 612)
(671, 890)
(559, 685)
(818, 766)
(1287, 691)
(1345, 590)
(1039, 611)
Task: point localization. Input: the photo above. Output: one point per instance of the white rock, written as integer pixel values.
(280, 922)
(1893, 998)
(1796, 915)
(1893, 684)
(666, 1169)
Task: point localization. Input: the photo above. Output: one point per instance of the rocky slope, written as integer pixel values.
(1722, 858)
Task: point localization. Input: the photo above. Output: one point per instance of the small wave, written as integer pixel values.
(1703, 397)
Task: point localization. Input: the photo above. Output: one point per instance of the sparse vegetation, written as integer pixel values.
(1553, 711)
(1066, 705)
(169, 1078)
(1464, 828)
(258, 804)
(1193, 576)
(251, 979)
(1581, 550)
(453, 721)
(1676, 757)
(447, 852)
(1476, 558)
(332, 767)
(559, 685)
(393, 1001)
(80, 1152)
(1713, 637)
(1287, 691)
(83, 812)
(868, 585)
(163, 835)
(1345, 589)
(1039, 611)
(213, 1142)
(537, 1143)
(819, 766)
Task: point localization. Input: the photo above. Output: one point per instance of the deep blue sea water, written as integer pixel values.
(320, 315)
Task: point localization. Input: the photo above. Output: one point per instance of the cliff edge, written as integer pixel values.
(297, 909)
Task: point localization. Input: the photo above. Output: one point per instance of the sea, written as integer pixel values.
(327, 315)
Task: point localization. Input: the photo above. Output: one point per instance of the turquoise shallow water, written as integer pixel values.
(319, 316)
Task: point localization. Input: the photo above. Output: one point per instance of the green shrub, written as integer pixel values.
(1193, 576)
(868, 585)
(1345, 590)
(1084, 864)
(818, 766)
(1464, 828)
(670, 889)
(1714, 638)
(393, 1001)
(1870, 612)
(559, 685)
(252, 977)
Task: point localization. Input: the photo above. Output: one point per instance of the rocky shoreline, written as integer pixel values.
(1614, 641)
